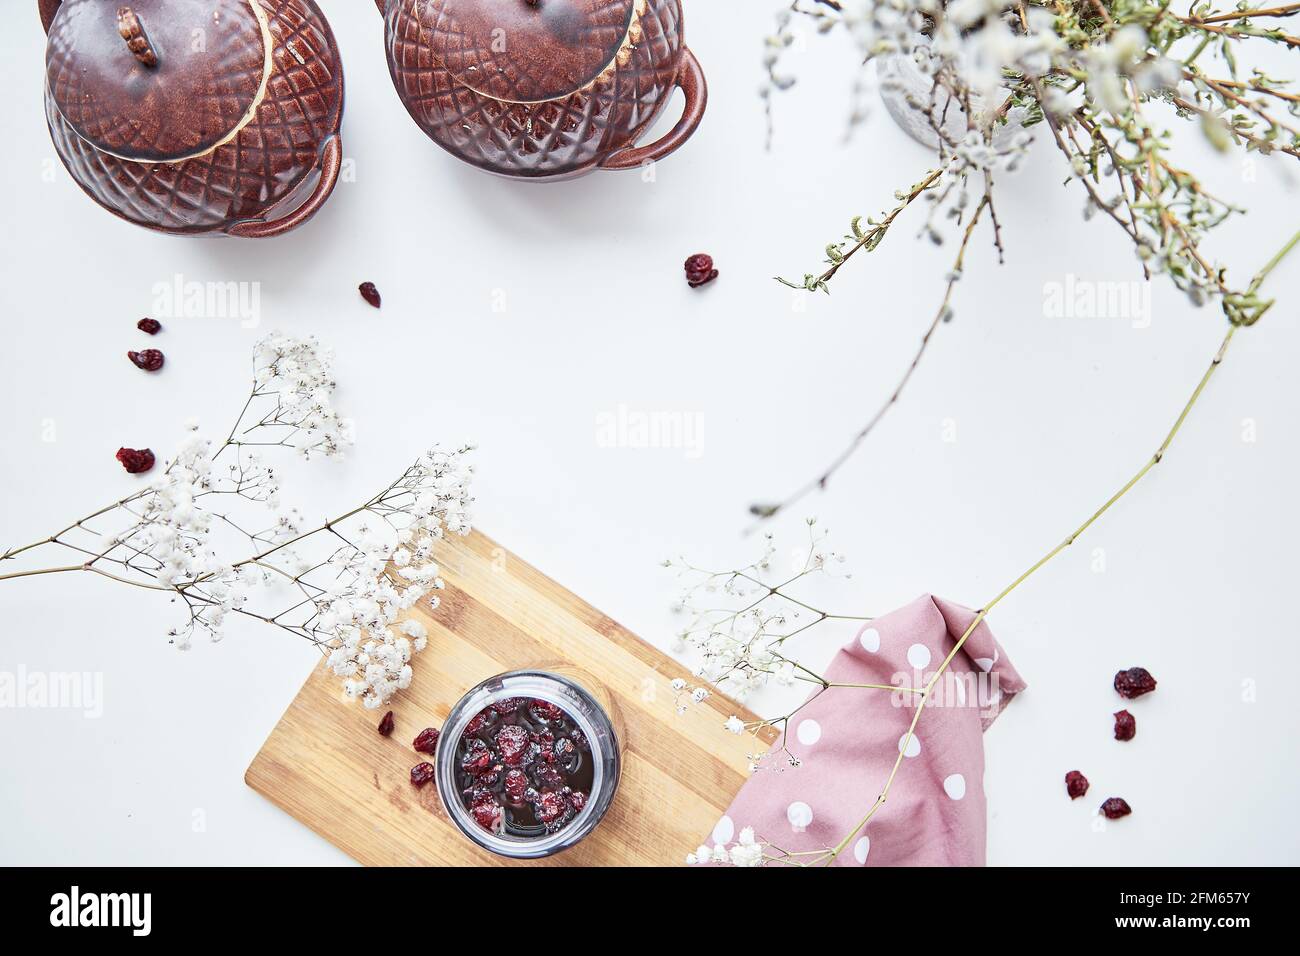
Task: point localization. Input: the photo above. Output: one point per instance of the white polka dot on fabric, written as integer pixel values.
(724, 831)
(918, 655)
(861, 849)
(913, 745)
(799, 814)
(809, 732)
(955, 786)
(870, 640)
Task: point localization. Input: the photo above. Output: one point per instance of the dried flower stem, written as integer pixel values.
(1284, 11)
(1154, 460)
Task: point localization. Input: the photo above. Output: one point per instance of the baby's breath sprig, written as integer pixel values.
(741, 630)
(340, 585)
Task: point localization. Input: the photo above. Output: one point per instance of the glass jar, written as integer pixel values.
(912, 101)
(581, 705)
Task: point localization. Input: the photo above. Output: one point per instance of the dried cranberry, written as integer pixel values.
(369, 293)
(135, 460)
(522, 754)
(552, 806)
(699, 270)
(548, 775)
(544, 710)
(152, 326)
(579, 738)
(484, 719)
(516, 784)
(512, 743)
(1076, 784)
(1116, 807)
(477, 758)
(1134, 682)
(1126, 727)
(487, 812)
(151, 360)
(386, 724)
(426, 741)
(421, 774)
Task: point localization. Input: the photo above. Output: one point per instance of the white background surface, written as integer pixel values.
(1051, 415)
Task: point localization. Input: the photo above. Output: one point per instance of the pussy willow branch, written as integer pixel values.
(1163, 210)
(769, 510)
(1154, 460)
(1284, 11)
(870, 238)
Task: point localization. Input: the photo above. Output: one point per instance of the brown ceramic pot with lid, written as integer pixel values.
(196, 116)
(543, 89)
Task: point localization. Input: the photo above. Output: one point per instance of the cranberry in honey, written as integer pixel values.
(523, 767)
(528, 763)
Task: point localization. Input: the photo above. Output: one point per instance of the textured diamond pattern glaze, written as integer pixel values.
(270, 162)
(560, 137)
(521, 53)
(121, 106)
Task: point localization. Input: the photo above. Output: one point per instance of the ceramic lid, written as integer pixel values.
(527, 51)
(158, 80)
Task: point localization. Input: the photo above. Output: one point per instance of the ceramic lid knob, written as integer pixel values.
(527, 51)
(157, 80)
(137, 41)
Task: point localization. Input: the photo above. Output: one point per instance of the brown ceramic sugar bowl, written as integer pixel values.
(196, 116)
(543, 89)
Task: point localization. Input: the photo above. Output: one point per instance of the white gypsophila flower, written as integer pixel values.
(298, 373)
(747, 854)
(345, 591)
(371, 589)
(734, 725)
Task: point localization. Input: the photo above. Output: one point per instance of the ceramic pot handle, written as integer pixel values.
(48, 9)
(690, 77)
(331, 162)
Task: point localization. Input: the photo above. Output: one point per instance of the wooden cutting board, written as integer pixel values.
(326, 765)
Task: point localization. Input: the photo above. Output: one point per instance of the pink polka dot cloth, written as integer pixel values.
(846, 740)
